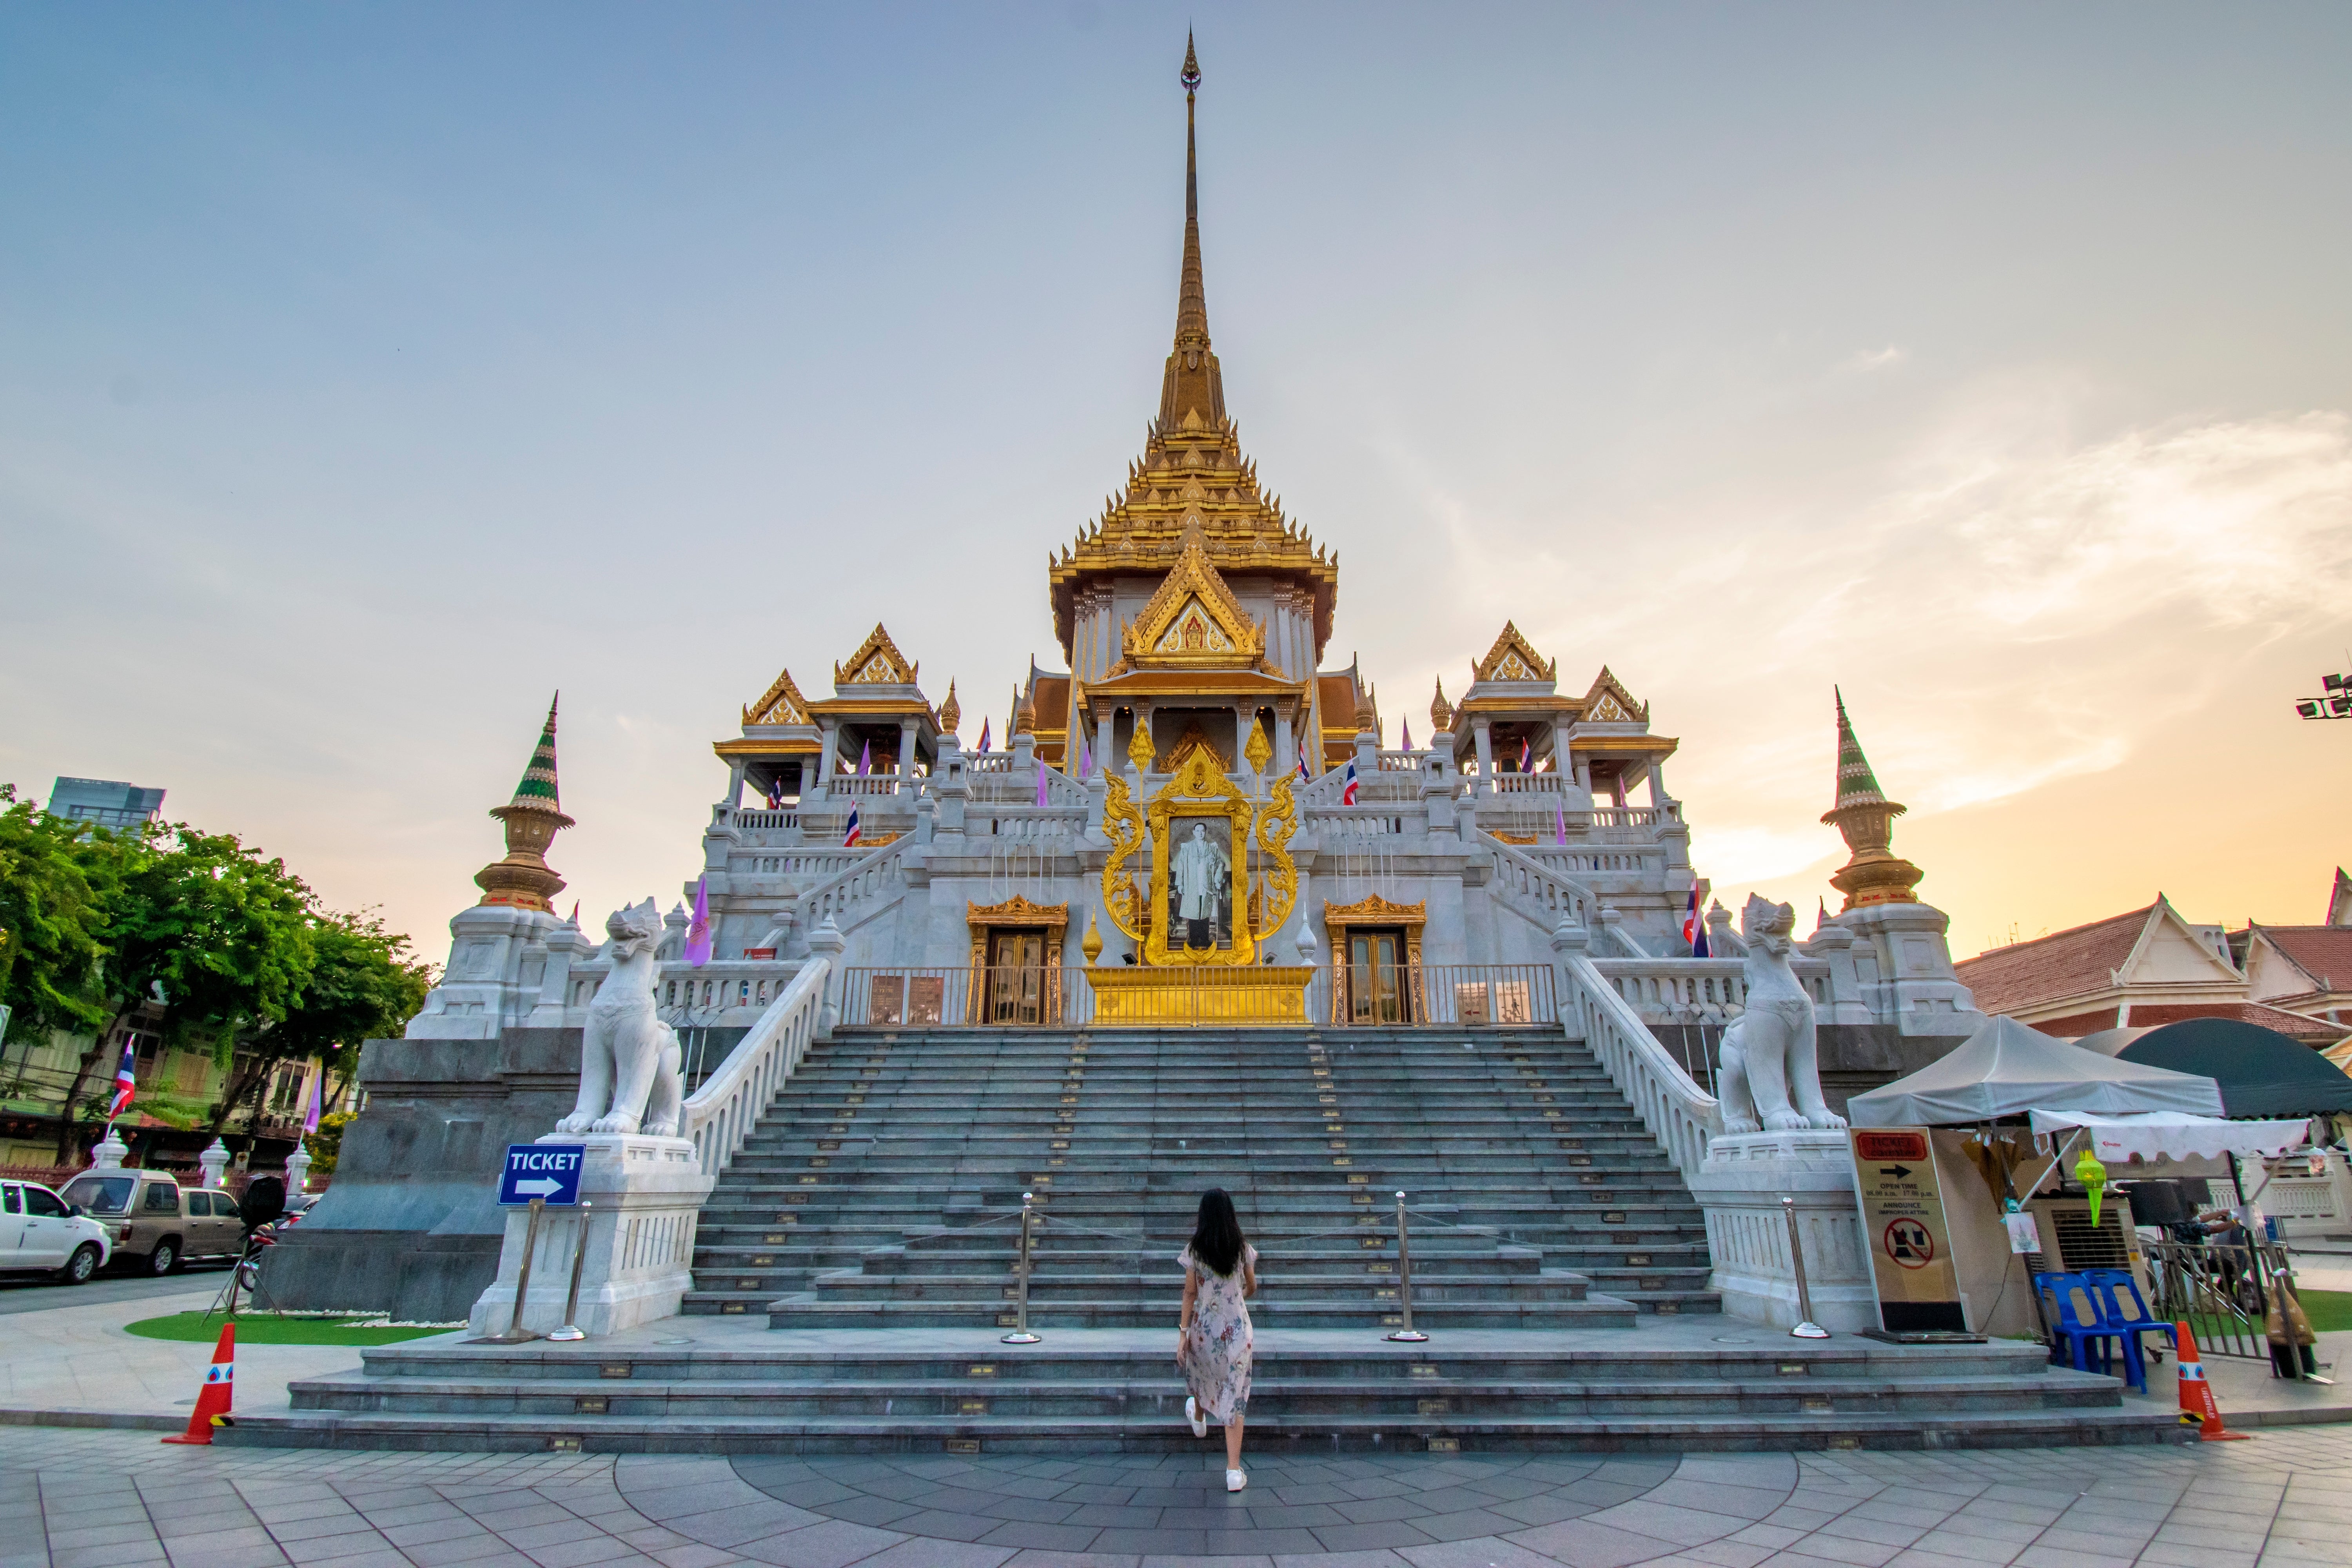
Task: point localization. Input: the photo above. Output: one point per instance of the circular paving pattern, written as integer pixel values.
(1173, 1505)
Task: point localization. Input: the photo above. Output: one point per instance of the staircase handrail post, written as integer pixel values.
(1021, 1334)
(1406, 1335)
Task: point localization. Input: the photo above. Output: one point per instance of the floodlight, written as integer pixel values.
(2341, 704)
(2308, 710)
(2333, 683)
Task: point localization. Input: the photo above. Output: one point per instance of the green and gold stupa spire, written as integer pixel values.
(1865, 817)
(533, 820)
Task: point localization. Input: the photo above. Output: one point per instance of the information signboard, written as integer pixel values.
(549, 1172)
(1902, 1199)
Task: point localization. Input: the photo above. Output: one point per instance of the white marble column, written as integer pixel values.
(828, 749)
(1484, 736)
(906, 755)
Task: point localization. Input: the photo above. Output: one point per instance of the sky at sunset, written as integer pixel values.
(367, 373)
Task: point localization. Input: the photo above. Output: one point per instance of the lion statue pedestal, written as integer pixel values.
(641, 1198)
(1780, 1140)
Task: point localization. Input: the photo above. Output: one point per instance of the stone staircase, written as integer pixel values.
(1558, 1265)
(884, 1186)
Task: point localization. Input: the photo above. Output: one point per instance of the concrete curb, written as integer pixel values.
(123, 1420)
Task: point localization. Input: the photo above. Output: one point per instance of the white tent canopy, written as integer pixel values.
(2007, 1070)
(2173, 1135)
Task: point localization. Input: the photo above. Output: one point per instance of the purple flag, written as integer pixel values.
(1405, 726)
(1086, 759)
(866, 760)
(698, 933)
(1041, 780)
(1558, 823)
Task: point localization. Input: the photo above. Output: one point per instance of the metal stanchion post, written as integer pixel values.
(1021, 1334)
(570, 1328)
(1407, 1335)
(516, 1333)
(1806, 1328)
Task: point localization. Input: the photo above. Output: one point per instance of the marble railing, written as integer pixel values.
(801, 861)
(1336, 825)
(1021, 823)
(841, 786)
(1526, 784)
(859, 892)
(721, 1113)
(1537, 892)
(1401, 762)
(688, 993)
(1699, 990)
(1679, 1114)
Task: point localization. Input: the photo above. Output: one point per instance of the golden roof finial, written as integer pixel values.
(1192, 385)
(951, 711)
(1864, 818)
(1441, 712)
(533, 820)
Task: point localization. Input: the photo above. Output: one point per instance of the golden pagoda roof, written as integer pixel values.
(782, 703)
(1513, 658)
(876, 662)
(1193, 478)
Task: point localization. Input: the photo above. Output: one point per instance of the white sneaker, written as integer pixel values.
(1193, 1413)
(1235, 1480)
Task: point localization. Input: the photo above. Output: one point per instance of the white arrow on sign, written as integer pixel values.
(539, 1188)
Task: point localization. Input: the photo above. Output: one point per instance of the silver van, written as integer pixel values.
(157, 1224)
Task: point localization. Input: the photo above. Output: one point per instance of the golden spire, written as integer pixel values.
(1864, 818)
(1192, 390)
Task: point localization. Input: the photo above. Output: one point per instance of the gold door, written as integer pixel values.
(1016, 978)
(1376, 977)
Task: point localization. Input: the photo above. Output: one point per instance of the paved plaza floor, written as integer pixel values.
(85, 1499)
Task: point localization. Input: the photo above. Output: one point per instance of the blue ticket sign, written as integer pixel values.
(549, 1171)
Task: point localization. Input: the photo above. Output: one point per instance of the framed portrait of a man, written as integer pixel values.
(1201, 882)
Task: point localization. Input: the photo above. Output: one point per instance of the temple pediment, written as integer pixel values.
(782, 703)
(876, 662)
(1513, 658)
(1193, 622)
(1610, 703)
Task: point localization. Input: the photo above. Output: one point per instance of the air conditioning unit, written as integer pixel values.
(2070, 1244)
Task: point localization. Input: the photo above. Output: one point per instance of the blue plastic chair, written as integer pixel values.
(2070, 1308)
(2118, 1298)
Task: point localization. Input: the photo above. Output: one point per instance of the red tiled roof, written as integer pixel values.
(2324, 953)
(2149, 1015)
(2064, 963)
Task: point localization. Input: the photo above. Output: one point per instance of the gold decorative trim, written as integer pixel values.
(1518, 838)
(1513, 658)
(1610, 703)
(1228, 638)
(782, 703)
(876, 662)
(1376, 910)
(1016, 910)
(1264, 892)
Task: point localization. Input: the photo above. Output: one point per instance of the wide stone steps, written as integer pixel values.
(1585, 1392)
(879, 1185)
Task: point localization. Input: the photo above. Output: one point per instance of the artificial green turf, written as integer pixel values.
(2327, 1310)
(264, 1328)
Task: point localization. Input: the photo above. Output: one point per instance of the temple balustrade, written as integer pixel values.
(723, 993)
(1700, 990)
(800, 862)
(847, 785)
(859, 892)
(1536, 891)
(1057, 824)
(1683, 1116)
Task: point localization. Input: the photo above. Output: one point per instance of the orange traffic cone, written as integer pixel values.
(2197, 1394)
(213, 1399)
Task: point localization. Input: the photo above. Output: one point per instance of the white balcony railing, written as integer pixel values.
(1680, 1115)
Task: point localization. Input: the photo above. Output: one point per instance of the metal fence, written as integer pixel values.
(1056, 996)
(2229, 1296)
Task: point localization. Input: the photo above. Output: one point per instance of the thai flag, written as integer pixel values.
(850, 837)
(1347, 790)
(983, 734)
(126, 1080)
(776, 793)
(1694, 928)
(1302, 759)
(1524, 753)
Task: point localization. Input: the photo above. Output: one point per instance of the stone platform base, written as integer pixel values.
(1740, 1187)
(640, 1199)
(710, 1385)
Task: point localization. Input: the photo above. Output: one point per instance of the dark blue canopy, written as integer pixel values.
(2261, 1071)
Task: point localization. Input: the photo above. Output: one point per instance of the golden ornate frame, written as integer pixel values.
(1261, 837)
(1016, 913)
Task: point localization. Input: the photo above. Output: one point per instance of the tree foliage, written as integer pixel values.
(234, 948)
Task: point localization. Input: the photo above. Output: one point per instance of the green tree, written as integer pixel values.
(364, 982)
(51, 921)
(217, 932)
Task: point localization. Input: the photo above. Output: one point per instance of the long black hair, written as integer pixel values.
(1217, 1234)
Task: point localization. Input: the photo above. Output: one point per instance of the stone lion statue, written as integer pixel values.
(632, 1076)
(1769, 1056)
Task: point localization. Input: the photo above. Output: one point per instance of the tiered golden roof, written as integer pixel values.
(1193, 478)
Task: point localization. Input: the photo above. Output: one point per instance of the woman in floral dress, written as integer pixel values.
(1212, 1340)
